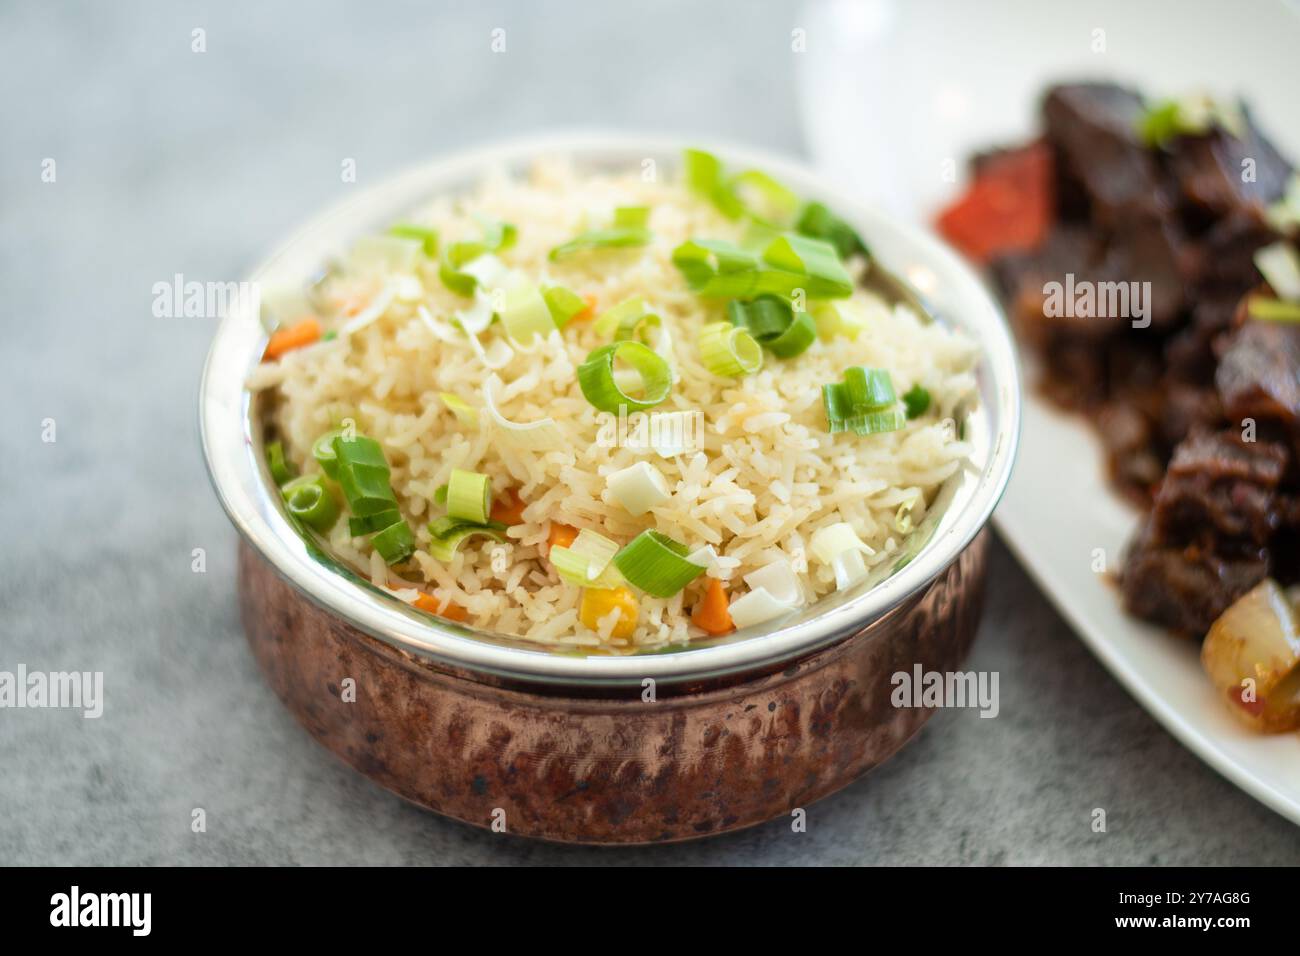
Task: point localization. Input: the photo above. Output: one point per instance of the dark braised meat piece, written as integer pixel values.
(1186, 588)
(1225, 251)
(1259, 374)
(1190, 353)
(1094, 127)
(1219, 494)
(1135, 461)
(1188, 408)
(1211, 170)
(1151, 249)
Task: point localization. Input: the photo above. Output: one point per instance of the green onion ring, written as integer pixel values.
(395, 543)
(469, 496)
(729, 350)
(774, 324)
(308, 500)
(449, 533)
(656, 564)
(596, 377)
(281, 470)
(323, 451)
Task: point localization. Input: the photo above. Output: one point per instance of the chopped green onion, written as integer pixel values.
(525, 314)
(308, 500)
(774, 591)
(1272, 310)
(464, 412)
(448, 534)
(323, 451)
(814, 258)
(617, 317)
(363, 475)
(704, 176)
(427, 236)
(840, 317)
(596, 377)
(839, 546)
(385, 254)
(563, 303)
(819, 222)
(1280, 266)
(717, 269)
(638, 487)
(586, 562)
(394, 543)
(541, 435)
(1192, 115)
(774, 324)
(755, 189)
(863, 403)
(330, 336)
(657, 564)
(917, 401)
(281, 470)
(369, 524)
(627, 229)
(728, 350)
(497, 237)
(469, 496)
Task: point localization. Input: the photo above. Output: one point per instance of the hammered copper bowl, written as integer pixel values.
(635, 749)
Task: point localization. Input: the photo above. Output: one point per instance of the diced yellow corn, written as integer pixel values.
(598, 602)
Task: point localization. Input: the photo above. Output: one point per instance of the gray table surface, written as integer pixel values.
(169, 161)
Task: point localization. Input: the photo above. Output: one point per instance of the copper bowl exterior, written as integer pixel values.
(702, 758)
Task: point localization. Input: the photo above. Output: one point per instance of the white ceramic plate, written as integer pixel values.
(890, 91)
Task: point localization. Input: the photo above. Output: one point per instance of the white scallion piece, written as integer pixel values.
(638, 488)
(541, 435)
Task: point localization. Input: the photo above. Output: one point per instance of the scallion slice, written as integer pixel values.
(449, 533)
(1280, 266)
(774, 324)
(525, 314)
(281, 470)
(394, 543)
(363, 475)
(863, 403)
(657, 564)
(541, 435)
(469, 496)
(464, 412)
(308, 500)
(497, 237)
(716, 269)
(611, 238)
(563, 303)
(1272, 310)
(817, 221)
(586, 562)
(728, 350)
(916, 400)
(638, 487)
(596, 377)
(428, 237)
(369, 524)
(323, 451)
(704, 175)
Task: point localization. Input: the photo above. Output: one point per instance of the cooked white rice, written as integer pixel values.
(767, 477)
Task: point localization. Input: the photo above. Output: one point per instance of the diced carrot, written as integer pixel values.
(562, 535)
(294, 337)
(711, 613)
(589, 311)
(509, 508)
(1009, 206)
(452, 612)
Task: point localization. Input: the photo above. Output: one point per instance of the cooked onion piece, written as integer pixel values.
(1251, 654)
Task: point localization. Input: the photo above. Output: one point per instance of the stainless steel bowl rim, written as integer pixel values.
(232, 450)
